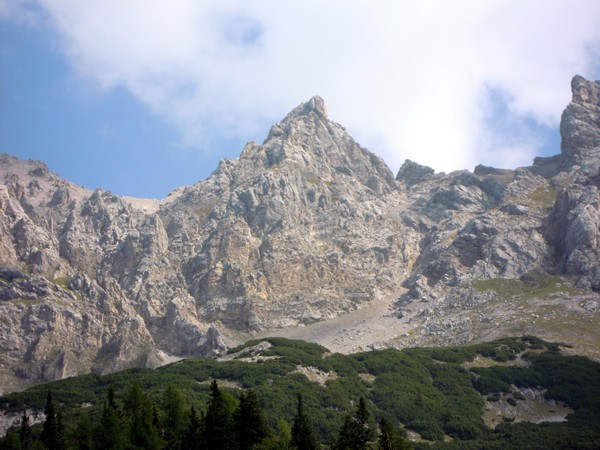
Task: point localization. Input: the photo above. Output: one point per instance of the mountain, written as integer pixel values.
(305, 235)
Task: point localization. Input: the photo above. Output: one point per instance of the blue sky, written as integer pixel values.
(141, 97)
(105, 139)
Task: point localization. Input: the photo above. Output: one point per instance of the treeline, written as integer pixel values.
(227, 424)
(437, 395)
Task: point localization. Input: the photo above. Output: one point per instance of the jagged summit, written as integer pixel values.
(308, 142)
(315, 105)
(585, 91)
(580, 126)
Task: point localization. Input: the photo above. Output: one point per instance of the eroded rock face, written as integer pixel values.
(304, 227)
(580, 127)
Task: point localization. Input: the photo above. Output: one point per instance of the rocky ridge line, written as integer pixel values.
(303, 228)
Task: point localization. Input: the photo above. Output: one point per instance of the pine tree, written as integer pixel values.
(156, 420)
(11, 440)
(303, 435)
(389, 439)
(347, 436)
(365, 431)
(218, 423)
(192, 438)
(172, 418)
(111, 433)
(53, 430)
(60, 427)
(110, 398)
(281, 439)
(25, 433)
(356, 431)
(386, 433)
(250, 421)
(142, 431)
(84, 434)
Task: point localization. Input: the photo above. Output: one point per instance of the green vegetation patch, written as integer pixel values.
(429, 391)
(536, 284)
(61, 281)
(25, 301)
(203, 212)
(545, 196)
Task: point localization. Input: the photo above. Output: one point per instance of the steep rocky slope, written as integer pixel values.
(302, 229)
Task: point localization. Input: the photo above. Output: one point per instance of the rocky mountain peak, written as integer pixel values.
(585, 91)
(309, 143)
(315, 105)
(580, 127)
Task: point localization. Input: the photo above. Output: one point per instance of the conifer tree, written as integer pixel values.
(142, 431)
(84, 434)
(25, 433)
(280, 439)
(356, 431)
(390, 439)
(250, 422)
(192, 438)
(11, 440)
(218, 422)
(386, 433)
(60, 426)
(53, 430)
(363, 417)
(110, 398)
(303, 435)
(172, 418)
(347, 436)
(111, 433)
(156, 420)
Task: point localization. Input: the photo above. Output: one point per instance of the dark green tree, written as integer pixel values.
(111, 433)
(280, 439)
(156, 421)
(172, 417)
(193, 436)
(366, 432)
(25, 433)
(356, 431)
(11, 440)
(143, 433)
(110, 398)
(303, 434)
(218, 422)
(250, 422)
(347, 436)
(83, 435)
(390, 439)
(60, 426)
(386, 435)
(53, 430)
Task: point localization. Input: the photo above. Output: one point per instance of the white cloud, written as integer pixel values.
(408, 79)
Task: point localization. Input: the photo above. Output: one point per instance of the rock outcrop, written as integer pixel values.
(580, 127)
(305, 227)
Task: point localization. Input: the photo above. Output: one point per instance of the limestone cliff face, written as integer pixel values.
(295, 230)
(304, 227)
